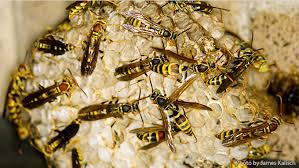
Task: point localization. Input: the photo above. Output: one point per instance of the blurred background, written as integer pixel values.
(274, 24)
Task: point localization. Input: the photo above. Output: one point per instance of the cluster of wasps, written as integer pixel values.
(174, 119)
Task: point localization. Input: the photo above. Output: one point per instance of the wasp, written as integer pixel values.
(133, 70)
(79, 6)
(191, 6)
(76, 158)
(13, 102)
(102, 111)
(259, 152)
(235, 68)
(107, 110)
(63, 137)
(246, 57)
(211, 64)
(91, 51)
(286, 88)
(170, 104)
(50, 93)
(154, 135)
(156, 64)
(174, 70)
(139, 24)
(255, 130)
(50, 45)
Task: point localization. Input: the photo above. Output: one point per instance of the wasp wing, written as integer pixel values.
(192, 105)
(231, 76)
(141, 30)
(84, 113)
(174, 55)
(150, 145)
(147, 129)
(168, 129)
(176, 94)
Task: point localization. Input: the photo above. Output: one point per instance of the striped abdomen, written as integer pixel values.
(169, 69)
(166, 33)
(155, 136)
(217, 80)
(183, 123)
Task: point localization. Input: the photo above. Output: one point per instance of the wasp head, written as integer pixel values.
(24, 70)
(155, 94)
(260, 63)
(202, 6)
(244, 45)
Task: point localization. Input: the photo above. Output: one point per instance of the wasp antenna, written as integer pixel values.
(76, 81)
(138, 107)
(280, 104)
(149, 76)
(259, 49)
(251, 39)
(131, 84)
(83, 91)
(220, 8)
(184, 31)
(164, 5)
(163, 45)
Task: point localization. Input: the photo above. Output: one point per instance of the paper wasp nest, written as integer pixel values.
(107, 142)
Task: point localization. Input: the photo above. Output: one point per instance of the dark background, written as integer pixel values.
(9, 146)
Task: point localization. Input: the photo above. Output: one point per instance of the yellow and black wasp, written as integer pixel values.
(257, 153)
(171, 106)
(79, 7)
(211, 61)
(62, 139)
(246, 57)
(154, 135)
(50, 93)
(13, 102)
(191, 6)
(286, 88)
(50, 45)
(102, 111)
(159, 65)
(139, 24)
(255, 130)
(76, 158)
(107, 110)
(91, 50)
(133, 70)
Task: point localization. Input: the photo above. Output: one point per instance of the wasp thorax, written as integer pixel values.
(166, 33)
(155, 94)
(135, 106)
(99, 26)
(126, 108)
(161, 101)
